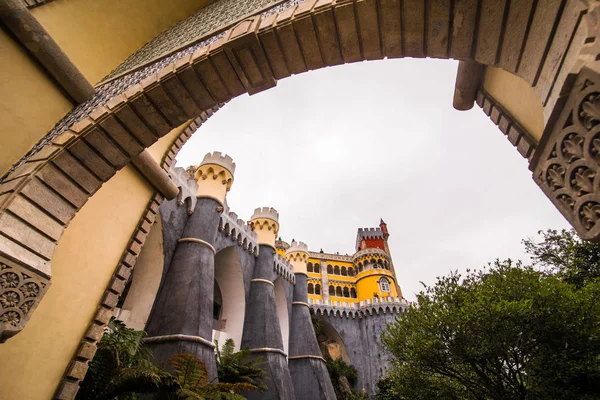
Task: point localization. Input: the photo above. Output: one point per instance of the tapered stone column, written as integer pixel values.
(182, 318)
(262, 333)
(307, 366)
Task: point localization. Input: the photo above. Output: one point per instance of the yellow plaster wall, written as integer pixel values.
(146, 279)
(34, 360)
(30, 104)
(98, 35)
(517, 97)
(367, 284)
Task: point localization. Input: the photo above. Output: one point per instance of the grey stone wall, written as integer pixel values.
(362, 339)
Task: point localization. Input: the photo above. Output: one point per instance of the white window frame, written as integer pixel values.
(384, 285)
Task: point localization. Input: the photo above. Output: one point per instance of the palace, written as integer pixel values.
(99, 96)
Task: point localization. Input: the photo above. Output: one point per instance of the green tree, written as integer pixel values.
(121, 367)
(239, 367)
(565, 254)
(511, 332)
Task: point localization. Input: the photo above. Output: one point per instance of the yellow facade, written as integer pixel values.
(99, 35)
(30, 106)
(365, 284)
(103, 228)
(79, 278)
(518, 98)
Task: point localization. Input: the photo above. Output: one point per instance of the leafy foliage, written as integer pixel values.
(192, 378)
(240, 367)
(565, 254)
(343, 377)
(121, 367)
(509, 333)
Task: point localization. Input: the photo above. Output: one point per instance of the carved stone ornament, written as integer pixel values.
(568, 170)
(20, 293)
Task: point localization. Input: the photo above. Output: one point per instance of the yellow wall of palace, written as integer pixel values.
(367, 284)
(83, 264)
(98, 35)
(30, 104)
(517, 97)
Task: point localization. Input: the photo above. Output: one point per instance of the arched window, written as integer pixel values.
(309, 267)
(353, 293)
(338, 291)
(384, 285)
(317, 289)
(350, 271)
(346, 292)
(344, 271)
(331, 290)
(336, 270)
(311, 289)
(360, 268)
(329, 269)
(317, 268)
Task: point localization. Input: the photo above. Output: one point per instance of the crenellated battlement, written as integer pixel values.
(284, 269)
(237, 229)
(298, 247)
(265, 213)
(365, 308)
(217, 158)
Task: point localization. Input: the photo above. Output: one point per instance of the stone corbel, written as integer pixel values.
(20, 293)
(567, 162)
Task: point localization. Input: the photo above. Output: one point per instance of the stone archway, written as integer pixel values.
(547, 46)
(230, 281)
(281, 304)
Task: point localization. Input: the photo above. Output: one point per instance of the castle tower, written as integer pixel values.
(262, 332)
(374, 273)
(182, 319)
(386, 235)
(306, 363)
(215, 176)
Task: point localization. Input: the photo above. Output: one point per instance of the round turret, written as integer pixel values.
(215, 176)
(297, 255)
(374, 277)
(265, 222)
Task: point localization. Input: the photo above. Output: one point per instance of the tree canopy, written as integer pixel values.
(508, 332)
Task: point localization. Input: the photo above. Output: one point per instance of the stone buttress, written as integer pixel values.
(262, 333)
(183, 316)
(306, 363)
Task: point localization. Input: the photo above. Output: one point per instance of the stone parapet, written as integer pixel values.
(365, 308)
(370, 252)
(284, 269)
(237, 229)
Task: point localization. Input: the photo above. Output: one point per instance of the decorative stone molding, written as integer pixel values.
(20, 293)
(329, 256)
(369, 252)
(363, 309)
(567, 164)
(515, 133)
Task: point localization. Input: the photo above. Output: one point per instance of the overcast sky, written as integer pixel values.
(336, 149)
